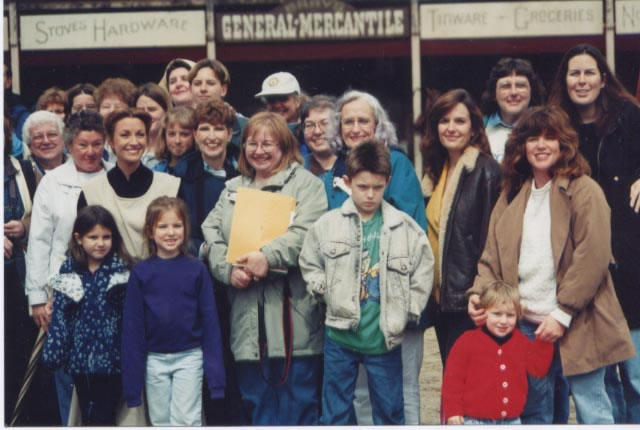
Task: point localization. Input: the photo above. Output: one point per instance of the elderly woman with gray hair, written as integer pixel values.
(360, 116)
(42, 136)
(54, 211)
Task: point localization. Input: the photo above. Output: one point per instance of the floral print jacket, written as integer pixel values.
(86, 324)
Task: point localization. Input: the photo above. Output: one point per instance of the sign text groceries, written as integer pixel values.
(371, 23)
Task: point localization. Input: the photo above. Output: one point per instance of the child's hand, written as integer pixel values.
(456, 420)
(240, 278)
(478, 314)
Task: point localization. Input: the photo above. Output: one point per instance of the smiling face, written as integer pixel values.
(542, 155)
(584, 81)
(96, 243)
(358, 123)
(285, 105)
(46, 143)
(367, 190)
(179, 87)
(454, 129)
(179, 140)
(156, 112)
(129, 141)
(315, 129)
(501, 319)
(168, 234)
(86, 151)
(212, 141)
(83, 102)
(263, 152)
(513, 95)
(110, 104)
(206, 86)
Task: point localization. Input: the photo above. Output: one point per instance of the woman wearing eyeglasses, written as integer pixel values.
(279, 386)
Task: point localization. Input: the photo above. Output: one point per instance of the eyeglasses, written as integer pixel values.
(277, 98)
(39, 138)
(349, 123)
(310, 126)
(252, 146)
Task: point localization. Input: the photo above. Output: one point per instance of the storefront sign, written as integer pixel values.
(628, 17)
(112, 30)
(301, 20)
(511, 19)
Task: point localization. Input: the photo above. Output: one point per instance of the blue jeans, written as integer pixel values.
(296, 402)
(624, 391)
(384, 373)
(470, 421)
(173, 385)
(590, 397)
(539, 406)
(64, 391)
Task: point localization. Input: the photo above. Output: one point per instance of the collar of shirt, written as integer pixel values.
(138, 184)
(214, 172)
(495, 120)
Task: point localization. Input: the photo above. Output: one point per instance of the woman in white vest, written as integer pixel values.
(129, 187)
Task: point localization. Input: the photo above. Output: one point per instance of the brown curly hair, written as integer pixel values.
(549, 121)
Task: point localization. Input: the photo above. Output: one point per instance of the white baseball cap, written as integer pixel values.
(280, 83)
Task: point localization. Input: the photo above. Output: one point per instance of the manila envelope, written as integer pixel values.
(258, 218)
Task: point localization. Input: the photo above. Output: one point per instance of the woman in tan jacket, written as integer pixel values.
(550, 236)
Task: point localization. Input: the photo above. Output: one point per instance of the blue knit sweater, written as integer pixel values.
(169, 308)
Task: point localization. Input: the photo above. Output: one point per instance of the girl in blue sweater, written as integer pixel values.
(86, 324)
(170, 330)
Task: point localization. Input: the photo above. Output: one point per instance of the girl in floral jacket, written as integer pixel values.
(86, 325)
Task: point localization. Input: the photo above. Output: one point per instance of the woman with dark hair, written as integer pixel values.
(512, 87)
(461, 183)
(279, 376)
(152, 99)
(129, 187)
(549, 237)
(175, 81)
(80, 97)
(607, 119)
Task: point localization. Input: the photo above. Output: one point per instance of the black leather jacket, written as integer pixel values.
(466, 230)
(616, 166)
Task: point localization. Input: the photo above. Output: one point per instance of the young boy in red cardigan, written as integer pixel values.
(485, 378)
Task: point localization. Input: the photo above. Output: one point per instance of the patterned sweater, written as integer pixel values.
(86, 325)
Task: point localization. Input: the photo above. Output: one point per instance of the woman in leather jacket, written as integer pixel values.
(607, 119)
(461, 183)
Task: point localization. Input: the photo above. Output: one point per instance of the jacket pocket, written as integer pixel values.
(397, 294)
(338, 257)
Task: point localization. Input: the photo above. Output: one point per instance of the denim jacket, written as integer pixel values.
(331, 266)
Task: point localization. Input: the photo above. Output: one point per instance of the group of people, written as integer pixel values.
(517, 245)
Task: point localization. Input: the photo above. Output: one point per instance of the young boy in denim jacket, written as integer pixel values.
(373, 267)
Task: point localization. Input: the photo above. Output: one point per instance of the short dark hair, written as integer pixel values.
(112, 119)
(85, 120)
(76, 90)
(87, 218)
(216, 112)
(155, 92)
(219, 69)
(372, 156)
(506, 67)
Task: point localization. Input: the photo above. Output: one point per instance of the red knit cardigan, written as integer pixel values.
(485, 380)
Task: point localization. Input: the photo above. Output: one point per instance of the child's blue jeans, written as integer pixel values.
(481, 421)
(384, 373)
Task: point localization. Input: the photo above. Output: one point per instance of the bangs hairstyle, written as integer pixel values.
(549, 121)
(284, 138)
(114, 117)
(433, 152)
(50, 96)
(118, 87)
(506, 67)
(371, 156)
(183, 116)
(499, 293)
(87, 218)
(611, 96)
(155, 92)
(218, 68)
(85, 120)
(155, 210)
(216, 112)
